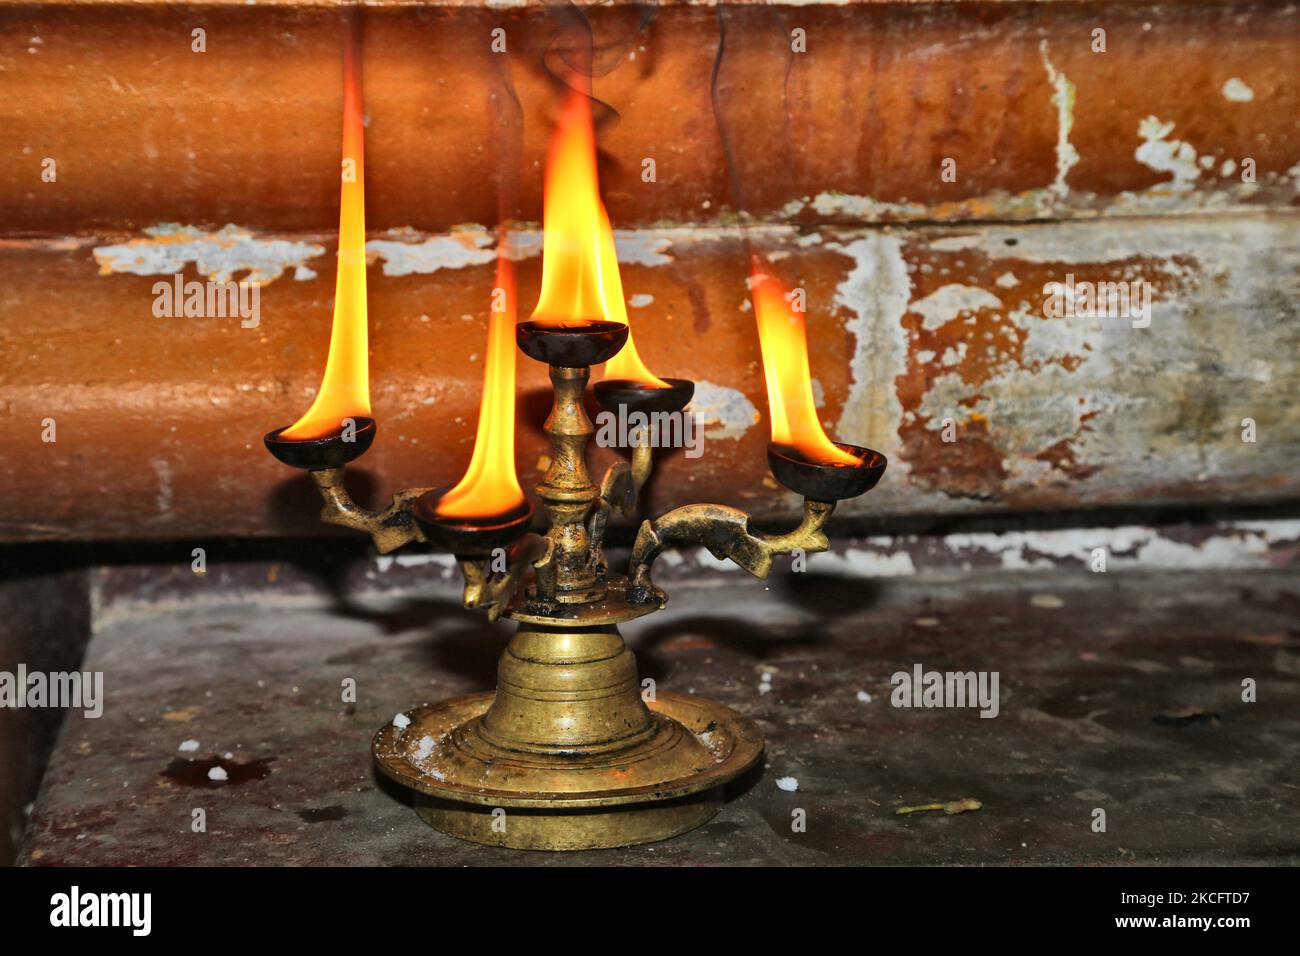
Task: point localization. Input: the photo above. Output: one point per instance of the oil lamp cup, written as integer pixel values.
(824, 481)
(335, 450)
(474, 537)
(574, 345)
(615, 394)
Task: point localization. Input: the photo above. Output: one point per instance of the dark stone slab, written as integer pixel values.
(1119, 691)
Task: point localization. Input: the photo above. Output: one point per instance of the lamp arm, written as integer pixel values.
(388, 529)
(620, 491)
(725, 532)
(494, 590)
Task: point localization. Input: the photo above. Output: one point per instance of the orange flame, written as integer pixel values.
(580, 280)
(490, 485)
(345, 388)
(783, 338)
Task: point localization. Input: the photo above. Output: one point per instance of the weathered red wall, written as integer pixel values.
(935, 316)
(147, 131)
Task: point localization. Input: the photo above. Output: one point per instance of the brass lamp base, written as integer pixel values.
(570, 830)
(566, 755)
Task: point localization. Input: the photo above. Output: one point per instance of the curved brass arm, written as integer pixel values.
(619, 491)
(725, 532)
(493, 590)
(389, 529)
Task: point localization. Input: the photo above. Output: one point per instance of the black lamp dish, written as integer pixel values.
(317, 454)
(468, 536)
(616, 393)
(826, 482)
(571, 346)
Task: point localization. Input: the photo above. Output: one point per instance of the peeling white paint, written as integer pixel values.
(875, 292)
(407, 254)
(1167, 155)
(523, 244)
(954, 354)
(955, 243)
(948, 302)
(862, 563)
(1102, 242)
(860, 207)
(1236, 545)
(221, 256)
(819, 393)
(726, 412)
(235, 252)
(671, 558)
(383, 562)
(1237, 91)
(1099, 404)
(705, 559)
(1063, 93)
(644, 247)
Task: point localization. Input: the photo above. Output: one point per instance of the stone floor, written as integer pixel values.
(1120, 691)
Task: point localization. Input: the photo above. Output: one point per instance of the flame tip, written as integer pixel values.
(783, 341)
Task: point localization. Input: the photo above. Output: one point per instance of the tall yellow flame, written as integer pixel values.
(345, 387)
(783, 338)
(490, 486)
(580, 280)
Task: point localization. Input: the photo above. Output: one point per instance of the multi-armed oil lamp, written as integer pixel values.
(568, 752)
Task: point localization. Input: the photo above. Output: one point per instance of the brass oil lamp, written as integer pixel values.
(569, 753)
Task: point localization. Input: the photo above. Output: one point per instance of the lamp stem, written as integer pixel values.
(567, 491)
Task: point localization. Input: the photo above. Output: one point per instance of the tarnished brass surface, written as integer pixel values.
(664, 778)
(567, 491)
(567, 743)
(568, 727)
(619, 491)
(725, 532)
(613, 607)
(570, 829)
(388, 529)
(493, 591)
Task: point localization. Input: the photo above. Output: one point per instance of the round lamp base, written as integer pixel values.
(597, 829)
(662, 783)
